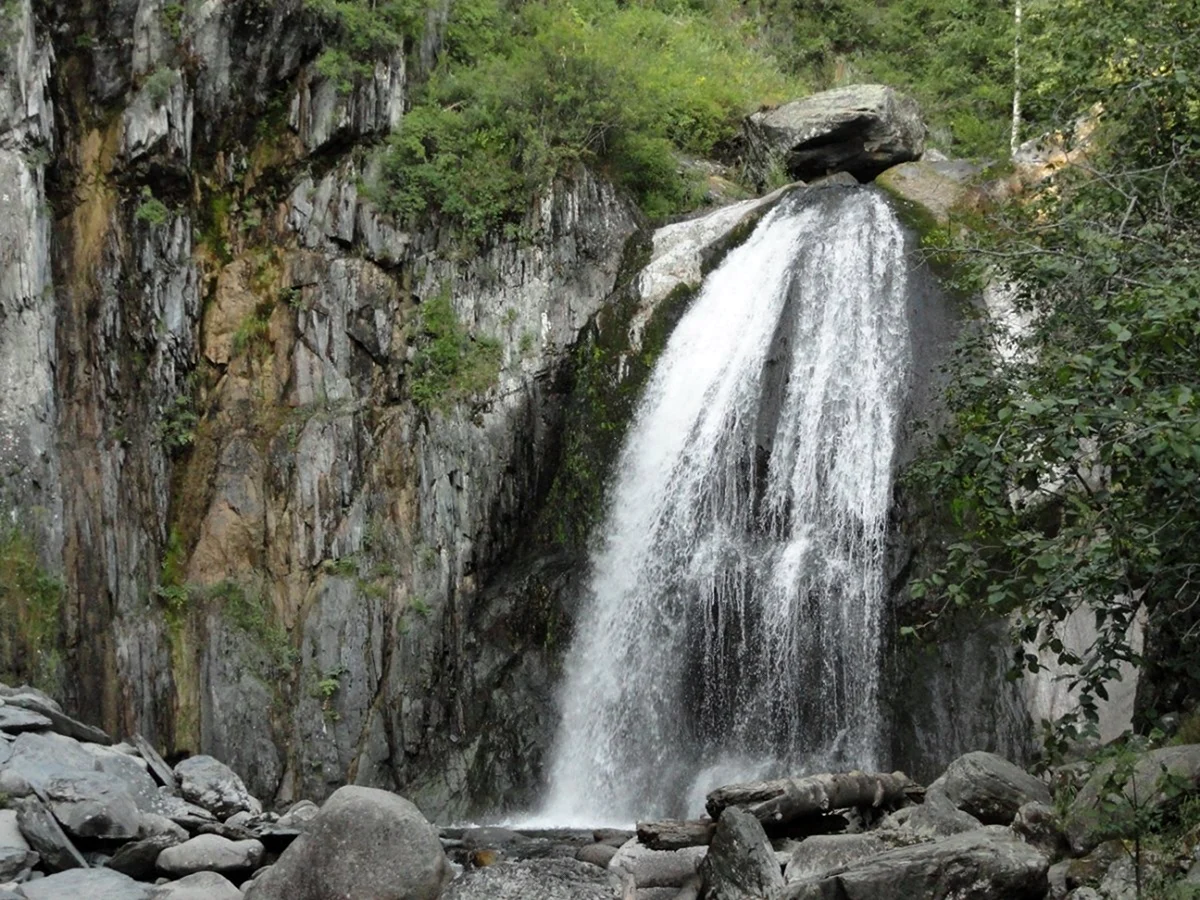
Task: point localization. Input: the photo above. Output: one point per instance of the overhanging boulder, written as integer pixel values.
(862, 129)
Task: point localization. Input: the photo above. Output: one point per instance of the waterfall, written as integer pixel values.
(731, 626)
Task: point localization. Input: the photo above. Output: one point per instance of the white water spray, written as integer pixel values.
(731, 627)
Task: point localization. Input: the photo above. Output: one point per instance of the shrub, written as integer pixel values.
(363, 31)
(523, 95)
(450, 364)
(151, 210)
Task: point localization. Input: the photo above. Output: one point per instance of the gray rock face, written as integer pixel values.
(210, 783)
(200, 886)
(822, 853)
(93, 884)
(211, 853)
(363, 843)
(989, 787)
(536, 879)
(1089, 821)
(740, 864)
(989, 864)
(861, 129)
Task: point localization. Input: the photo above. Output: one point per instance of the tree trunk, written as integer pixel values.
(1015, 140)
(673, 834)
(786, 799)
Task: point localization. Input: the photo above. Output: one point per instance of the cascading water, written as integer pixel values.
(732, 623)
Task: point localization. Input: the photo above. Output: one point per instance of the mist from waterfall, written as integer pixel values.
(732, 622)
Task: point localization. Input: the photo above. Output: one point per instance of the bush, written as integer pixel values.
(450, 364)
(522, 95)
(363, 31)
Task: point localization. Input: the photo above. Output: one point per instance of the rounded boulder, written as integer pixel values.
(363, 843)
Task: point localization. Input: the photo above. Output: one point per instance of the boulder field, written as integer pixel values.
(86, 817)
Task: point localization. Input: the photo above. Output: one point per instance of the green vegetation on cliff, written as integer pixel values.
(523, 91)
(1074, 473)
(30, 613)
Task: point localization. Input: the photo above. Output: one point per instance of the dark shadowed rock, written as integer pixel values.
(200, 886)
(1038, 824)
(137, 858)
(37, 702)
(15, 719)
(740, 864)
(44, 835)
(823, 853)
(537, 879)
(211, 853)
(16, 862)
(989, 787)
(861, 129)
(363, 843)
(211, 784)
(988, 864)
(155, 763)
(86, 884)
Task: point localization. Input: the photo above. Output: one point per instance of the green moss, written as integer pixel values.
(254, 330)
(31, 627)
(606, 382)
(450, 365)
(249, 610)
(151, 210)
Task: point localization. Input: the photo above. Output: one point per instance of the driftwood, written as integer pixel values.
(786, 799)
(675, 834)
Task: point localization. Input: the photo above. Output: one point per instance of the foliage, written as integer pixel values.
(363, 31)
(249, 610)
(524, 92)
(254, 330)
(450, 364)
(151, 210)
(172, 20)
(1074, 471)
(31, 603)
(964, 80)
(159, 85)
(177, 429)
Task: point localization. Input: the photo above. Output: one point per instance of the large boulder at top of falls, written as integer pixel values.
(862, 129)
(537, 879)
(989, 787)
(988, 864)
(363, 843)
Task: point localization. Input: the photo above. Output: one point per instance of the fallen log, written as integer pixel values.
(676, 834)
(785, 799)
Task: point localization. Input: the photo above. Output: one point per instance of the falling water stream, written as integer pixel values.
(731, 626)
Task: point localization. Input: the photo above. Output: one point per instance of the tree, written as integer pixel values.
(1072, 472)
